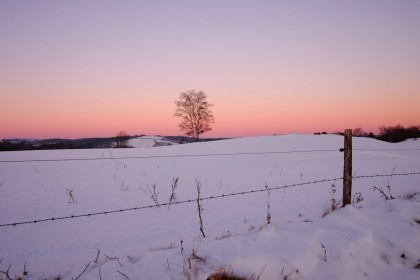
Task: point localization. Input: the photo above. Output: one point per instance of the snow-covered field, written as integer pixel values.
(150, 142)
(372, 239)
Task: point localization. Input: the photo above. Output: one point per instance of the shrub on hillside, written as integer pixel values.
(398, 133)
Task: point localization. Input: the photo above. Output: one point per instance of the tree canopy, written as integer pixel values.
(195, 113)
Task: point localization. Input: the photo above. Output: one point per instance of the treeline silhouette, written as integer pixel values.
(391, 134)
(84, 143)
(55, 144)
(398, 133)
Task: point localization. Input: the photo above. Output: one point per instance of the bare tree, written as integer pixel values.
(122, 139)
(195, 113)
(359, 132)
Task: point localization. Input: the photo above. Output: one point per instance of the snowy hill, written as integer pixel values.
(150, 141)
(242, 180)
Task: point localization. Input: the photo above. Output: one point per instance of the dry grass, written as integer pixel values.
(226, 276)
(410, 195)
(224, 235)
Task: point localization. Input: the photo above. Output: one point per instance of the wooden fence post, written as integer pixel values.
(347, 176)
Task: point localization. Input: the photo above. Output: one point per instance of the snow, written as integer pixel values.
(149, 142)
(372, 239)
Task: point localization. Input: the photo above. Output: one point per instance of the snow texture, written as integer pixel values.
(372, 239)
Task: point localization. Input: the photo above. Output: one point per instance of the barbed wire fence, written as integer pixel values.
(197, 155)
(194, 200)
(257, 190)
(167, 156)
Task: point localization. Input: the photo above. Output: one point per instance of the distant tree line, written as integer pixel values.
(393, 134)
(398, 133)
(55, 144)
(7, 145)
(84, 143)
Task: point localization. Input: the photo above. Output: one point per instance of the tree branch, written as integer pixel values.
(123, 274)
(83, 271)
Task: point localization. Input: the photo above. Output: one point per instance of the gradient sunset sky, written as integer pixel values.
(73, 69)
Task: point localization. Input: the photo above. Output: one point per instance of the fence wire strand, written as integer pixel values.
(198, 155)
(386, 150)
(203, 199)
(386, 175)
(167, 204)
(168, 156)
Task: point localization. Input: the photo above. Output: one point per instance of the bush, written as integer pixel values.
(398, 133)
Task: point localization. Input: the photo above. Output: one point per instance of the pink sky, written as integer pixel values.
(91, 68)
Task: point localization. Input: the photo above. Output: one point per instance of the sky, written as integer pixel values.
(74, 69)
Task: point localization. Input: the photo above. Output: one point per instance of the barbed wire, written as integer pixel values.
(168, 203)
(198, 155)
(168, 156)
(203, 199)
(386, 150)
(386, 175)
